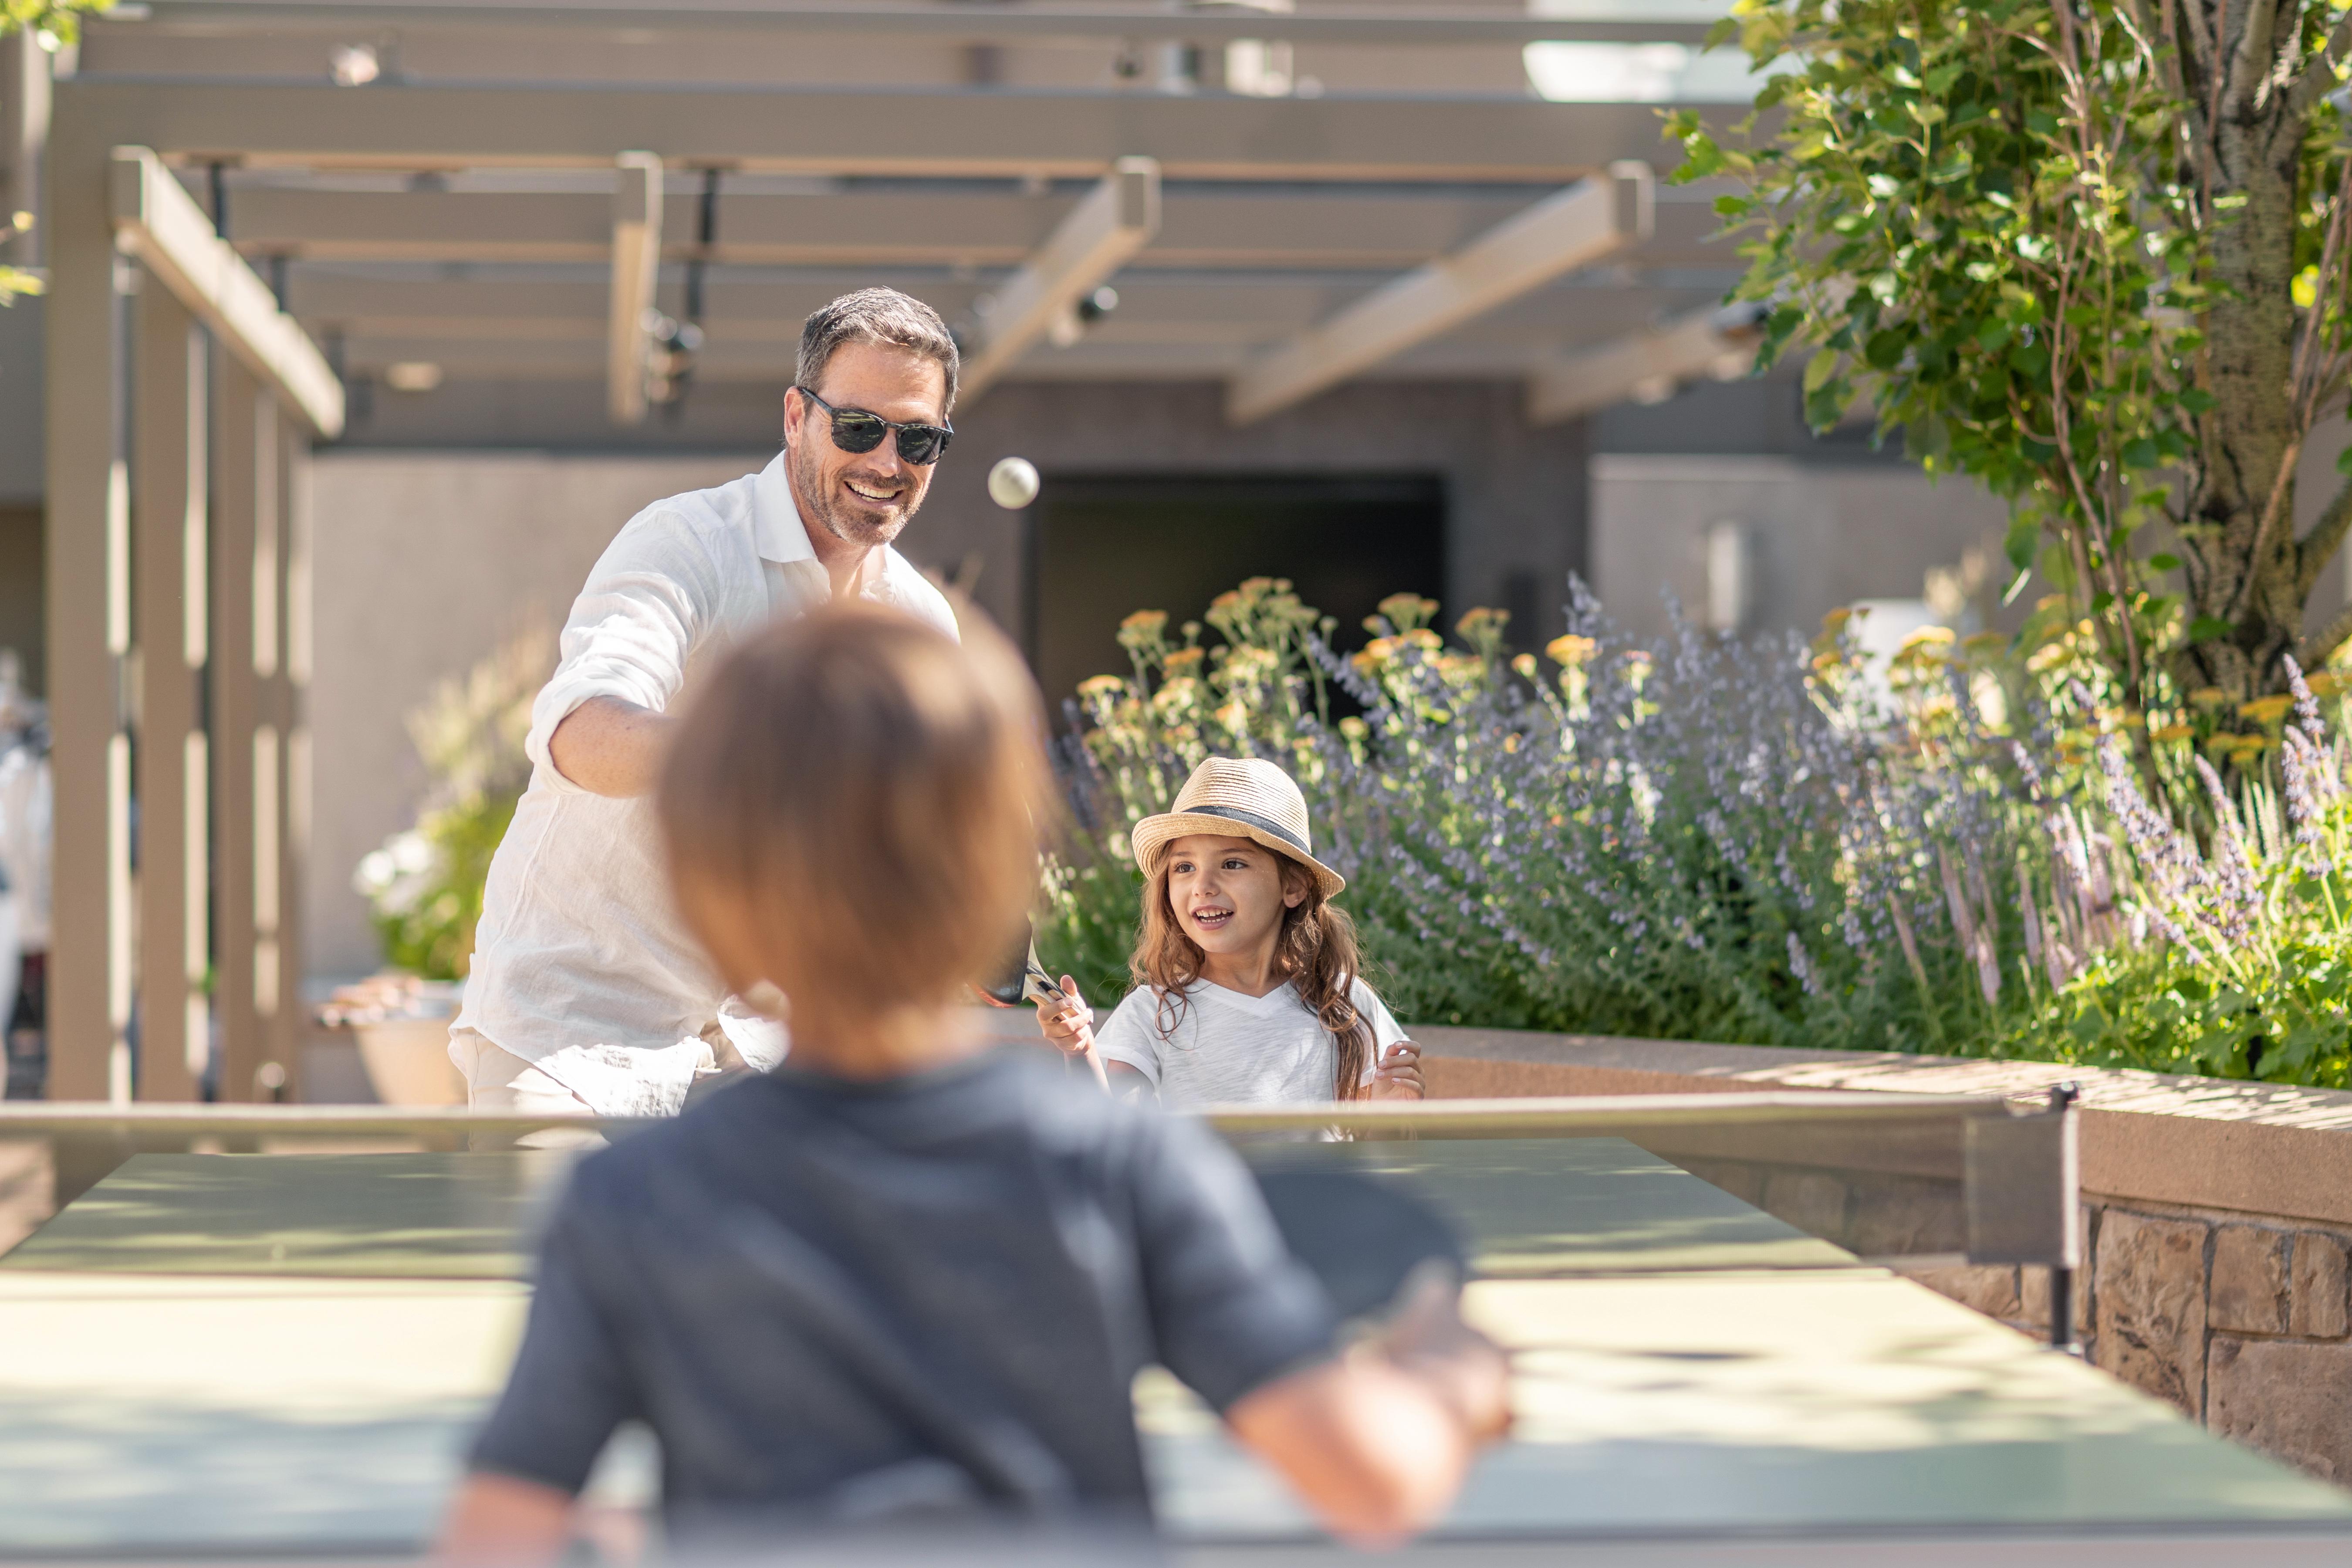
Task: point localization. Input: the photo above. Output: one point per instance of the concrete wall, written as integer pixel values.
(423, 565)
(1832, 519)
(1820, 535)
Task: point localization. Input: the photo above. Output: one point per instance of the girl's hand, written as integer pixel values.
(1069, 1027)
(1399, 1074)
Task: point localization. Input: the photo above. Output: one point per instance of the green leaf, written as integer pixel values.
(2210, 628)
(2164, 561)
(1820, 368)
(2024, 532)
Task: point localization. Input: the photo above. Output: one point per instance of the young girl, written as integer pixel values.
(1246, 984)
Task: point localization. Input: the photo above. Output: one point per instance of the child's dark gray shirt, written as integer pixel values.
(858, 1299)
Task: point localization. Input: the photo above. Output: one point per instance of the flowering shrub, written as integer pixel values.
(1740, 841)
(423, 885)
(2249, 973)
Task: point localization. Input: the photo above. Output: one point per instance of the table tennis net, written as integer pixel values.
(1586, 1185)
(1909, 1179)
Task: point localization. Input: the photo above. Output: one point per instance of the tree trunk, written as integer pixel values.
(2240, 546)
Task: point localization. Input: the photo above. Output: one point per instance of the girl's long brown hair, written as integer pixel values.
(1316, 951)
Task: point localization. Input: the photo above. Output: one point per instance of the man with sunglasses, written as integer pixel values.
(586, 992)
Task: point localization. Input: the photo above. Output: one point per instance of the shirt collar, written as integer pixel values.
(776, 527)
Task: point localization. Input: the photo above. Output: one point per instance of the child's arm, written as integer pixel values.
(501, 1520)
(567, 1392)
(1378, 1440)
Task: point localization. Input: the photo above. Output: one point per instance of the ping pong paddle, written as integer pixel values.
(1021, 978)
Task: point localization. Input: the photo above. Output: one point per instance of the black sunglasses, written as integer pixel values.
(855, 431)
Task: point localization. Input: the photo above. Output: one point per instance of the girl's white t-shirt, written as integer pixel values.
(1228, 1048)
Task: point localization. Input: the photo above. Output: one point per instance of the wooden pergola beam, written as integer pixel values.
(636, 269)
(1100, 235)
(1591, 220)
(1461, 24)
(1708, 342)
(855, 131)
(161, 224)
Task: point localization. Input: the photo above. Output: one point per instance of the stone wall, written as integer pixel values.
(2243, 1322)
(2218, 1215)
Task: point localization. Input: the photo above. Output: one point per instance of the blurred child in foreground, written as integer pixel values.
(899, 1279)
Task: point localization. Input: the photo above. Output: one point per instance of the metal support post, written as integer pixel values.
(171, 604)
(2064, 1097)
(89, 619)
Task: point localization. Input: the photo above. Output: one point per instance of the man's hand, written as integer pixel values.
(611, 747)
(1399, 1074)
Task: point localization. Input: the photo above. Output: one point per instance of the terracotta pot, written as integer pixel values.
(407, 1061)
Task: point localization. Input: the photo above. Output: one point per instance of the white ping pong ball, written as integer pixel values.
(1012, 483)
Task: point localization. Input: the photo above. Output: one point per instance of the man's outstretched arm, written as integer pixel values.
(610, 746)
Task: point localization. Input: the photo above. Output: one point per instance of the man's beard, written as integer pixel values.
(814, 491)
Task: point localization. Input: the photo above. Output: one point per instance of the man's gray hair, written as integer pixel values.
(875, 316)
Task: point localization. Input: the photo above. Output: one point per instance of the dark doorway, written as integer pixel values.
(1103, 548)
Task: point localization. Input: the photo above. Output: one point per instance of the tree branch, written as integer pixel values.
(2320, 644)
(2318, 77)
(2319, 546)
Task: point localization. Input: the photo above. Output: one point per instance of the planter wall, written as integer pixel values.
(2218, 1214)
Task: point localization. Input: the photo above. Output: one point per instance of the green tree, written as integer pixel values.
(55, 23)
(2094, 253)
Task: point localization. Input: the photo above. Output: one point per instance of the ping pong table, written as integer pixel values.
(213, 1355)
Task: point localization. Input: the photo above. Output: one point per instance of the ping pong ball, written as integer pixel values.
(1012, 483)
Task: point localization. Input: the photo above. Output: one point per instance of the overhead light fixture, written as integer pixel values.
(355, 65)
(412, 375)
(671, 347)
(1072, 324)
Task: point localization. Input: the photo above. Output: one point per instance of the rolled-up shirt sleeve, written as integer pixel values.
(651, 597)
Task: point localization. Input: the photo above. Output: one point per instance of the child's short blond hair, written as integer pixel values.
(848, 808)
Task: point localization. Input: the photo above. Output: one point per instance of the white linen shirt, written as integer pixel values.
(582, 965)
(1227, 1047)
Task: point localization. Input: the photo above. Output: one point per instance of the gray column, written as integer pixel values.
(170, 605)
(23, 131)
(244, 655)
(285, 695)
(88, 630)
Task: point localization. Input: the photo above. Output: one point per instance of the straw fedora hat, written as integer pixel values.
(1238, 797)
